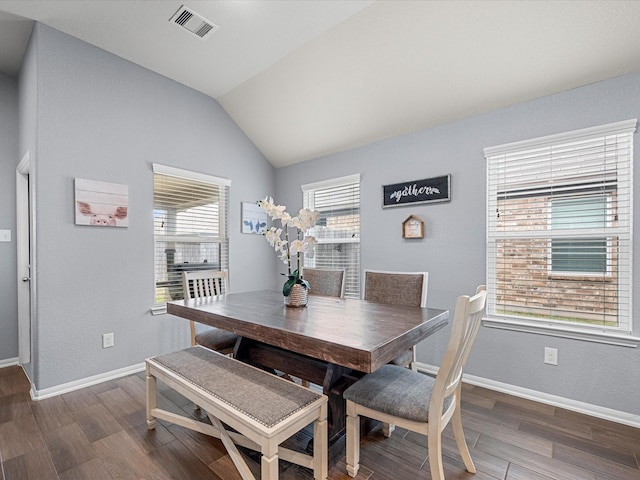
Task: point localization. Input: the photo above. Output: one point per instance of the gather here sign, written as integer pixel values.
(428, 190)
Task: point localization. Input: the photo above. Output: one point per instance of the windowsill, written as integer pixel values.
(559, 331)
(159, 310)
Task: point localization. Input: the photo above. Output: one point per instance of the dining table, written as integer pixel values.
(330, 342)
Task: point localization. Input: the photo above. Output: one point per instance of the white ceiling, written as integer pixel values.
(308, 78)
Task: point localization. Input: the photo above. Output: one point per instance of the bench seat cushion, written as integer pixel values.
(261, 396)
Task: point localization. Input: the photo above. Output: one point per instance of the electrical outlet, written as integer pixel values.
(551, 356)
(107, 340)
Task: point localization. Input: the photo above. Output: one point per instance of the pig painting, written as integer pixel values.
(101, 204)
(107, 219)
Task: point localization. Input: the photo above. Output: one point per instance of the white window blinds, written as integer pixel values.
(559, 229)
(190, 227)
(338, 229)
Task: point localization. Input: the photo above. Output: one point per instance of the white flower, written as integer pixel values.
(295, 222)
(285, 218)
(280, 246)
(297, 246)
(275, 211)
(285, 249)
(273, 235)
(308, 218)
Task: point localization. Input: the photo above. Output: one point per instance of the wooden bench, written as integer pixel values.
(263, 409)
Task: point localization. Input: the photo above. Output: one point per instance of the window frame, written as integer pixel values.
(622, 334)
(221, 238)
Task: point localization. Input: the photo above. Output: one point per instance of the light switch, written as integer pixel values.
(5, 235)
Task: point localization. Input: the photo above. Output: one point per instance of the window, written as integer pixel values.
(190, 228)
(338, 229)
(580, 256)
(559, 232)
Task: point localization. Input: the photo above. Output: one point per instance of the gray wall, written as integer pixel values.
(8, 162)
(99, 117)
(453, 250)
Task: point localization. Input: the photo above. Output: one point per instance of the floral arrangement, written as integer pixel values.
(285, 247)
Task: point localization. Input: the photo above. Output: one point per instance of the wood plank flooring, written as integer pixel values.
(99, 433)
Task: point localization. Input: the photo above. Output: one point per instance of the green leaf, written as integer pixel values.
(293, 279)
(286, 288)
(295, 276)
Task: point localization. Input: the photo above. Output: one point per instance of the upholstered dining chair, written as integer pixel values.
(208, 283)
(324, 282)
(418, 402)
(397, 288)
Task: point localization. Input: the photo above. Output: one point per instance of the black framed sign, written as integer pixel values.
(428, 190)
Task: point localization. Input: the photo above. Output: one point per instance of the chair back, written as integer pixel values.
(396, 288)
(327, 283)
(464, 330)
(204, 283)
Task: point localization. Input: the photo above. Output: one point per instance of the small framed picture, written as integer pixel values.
(254, 218)
(413, 227)
(101, 204)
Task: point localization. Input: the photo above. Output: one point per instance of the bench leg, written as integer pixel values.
(321, 446)
(151, 385)
(232, 450)
(269, 467)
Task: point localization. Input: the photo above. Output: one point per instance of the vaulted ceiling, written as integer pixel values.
(308, 78)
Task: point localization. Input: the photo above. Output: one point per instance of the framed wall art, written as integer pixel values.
(428, 190)
(101, 204)
(254, 218)
(413, 227)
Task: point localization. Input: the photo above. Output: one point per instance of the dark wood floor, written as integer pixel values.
(99, 433)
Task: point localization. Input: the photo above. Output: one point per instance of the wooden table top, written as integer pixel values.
(356, 334)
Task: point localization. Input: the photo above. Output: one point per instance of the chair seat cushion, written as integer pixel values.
(395, 391)
(216, 339)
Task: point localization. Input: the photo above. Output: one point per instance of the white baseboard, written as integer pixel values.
(566, 403)
(84, 382)
(9, 362)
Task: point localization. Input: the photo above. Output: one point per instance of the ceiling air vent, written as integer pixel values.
(194, 23)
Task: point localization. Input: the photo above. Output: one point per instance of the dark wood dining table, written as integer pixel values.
(330, 342)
